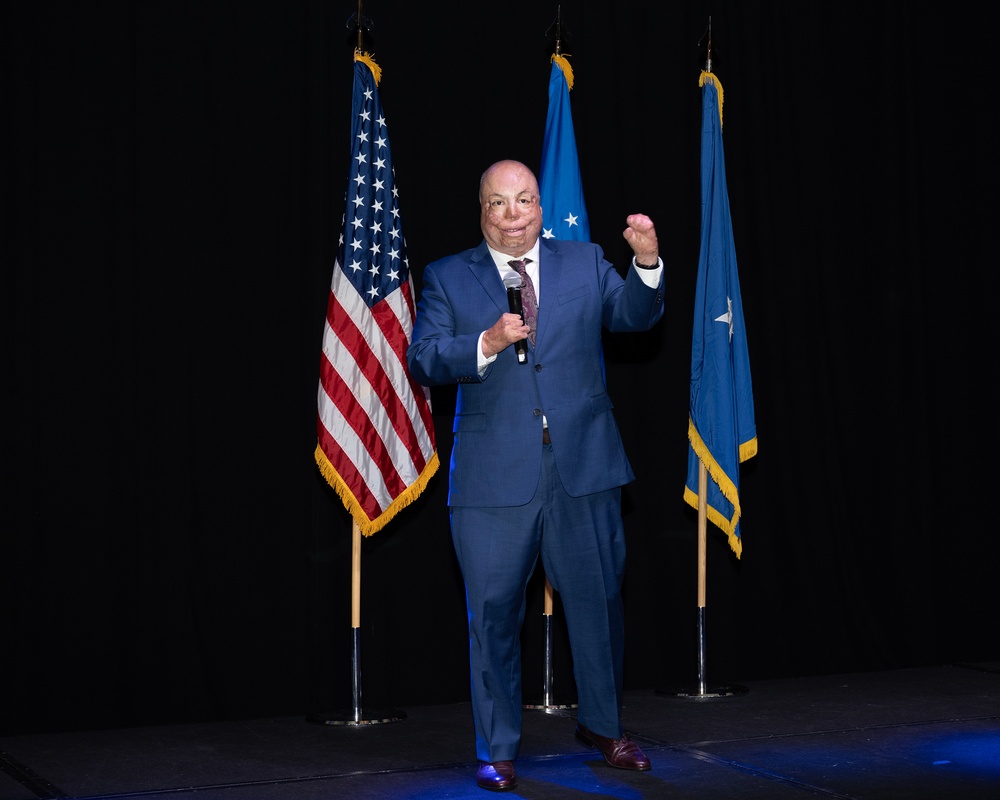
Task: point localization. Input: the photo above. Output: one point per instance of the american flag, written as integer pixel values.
(375, 434)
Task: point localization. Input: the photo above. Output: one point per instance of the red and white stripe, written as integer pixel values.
(376, 443)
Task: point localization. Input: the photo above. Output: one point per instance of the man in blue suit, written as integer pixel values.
(538, 463)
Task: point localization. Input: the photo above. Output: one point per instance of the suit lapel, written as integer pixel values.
(485, 271)
(551, 269)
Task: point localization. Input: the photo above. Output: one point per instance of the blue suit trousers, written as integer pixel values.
(581, 543)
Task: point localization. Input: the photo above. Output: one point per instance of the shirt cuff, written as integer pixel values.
(482, 362)
(649, 275)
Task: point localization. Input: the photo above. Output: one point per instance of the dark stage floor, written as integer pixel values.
(899, 735)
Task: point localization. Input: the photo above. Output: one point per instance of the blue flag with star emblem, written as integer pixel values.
(721, 428)
(564, 215)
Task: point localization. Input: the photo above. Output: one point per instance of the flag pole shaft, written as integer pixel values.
(354, 715)
(702, 569)
(548, 704)
(702, 531)
(702, 690)
(355, 575)
(356, 619)
(547, 678)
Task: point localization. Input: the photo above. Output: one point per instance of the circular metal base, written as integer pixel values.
(369, 716)
(730, 690)
(548, 706)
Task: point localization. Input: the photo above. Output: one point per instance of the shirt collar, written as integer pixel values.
(501, 259)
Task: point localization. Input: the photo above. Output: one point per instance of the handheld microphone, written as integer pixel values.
(513, 284)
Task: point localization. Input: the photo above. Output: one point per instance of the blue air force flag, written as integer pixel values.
(564, 215)
(721, 428)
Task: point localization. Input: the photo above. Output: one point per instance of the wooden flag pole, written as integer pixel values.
(355, 715)
(702, 689)
(547, 677)
(702, 570)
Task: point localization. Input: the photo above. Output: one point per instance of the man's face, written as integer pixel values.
(511, 214)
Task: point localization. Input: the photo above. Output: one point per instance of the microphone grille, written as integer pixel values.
(512, 280)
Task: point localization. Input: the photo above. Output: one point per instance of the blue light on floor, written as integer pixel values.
(969, 753)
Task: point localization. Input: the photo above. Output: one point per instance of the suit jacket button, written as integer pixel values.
(537, 411)
(538, 367)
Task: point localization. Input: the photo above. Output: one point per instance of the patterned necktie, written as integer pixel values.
(530, 301)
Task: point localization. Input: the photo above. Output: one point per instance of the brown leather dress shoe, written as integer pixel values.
(622, 753)
(497, 777)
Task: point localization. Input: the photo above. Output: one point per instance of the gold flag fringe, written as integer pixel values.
(365, 525)
(705, 78)
(562, 62)
(725, 484)
(369, 59)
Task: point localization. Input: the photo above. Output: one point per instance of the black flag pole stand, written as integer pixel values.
(356, 715)
(547, 703)
(703, 690)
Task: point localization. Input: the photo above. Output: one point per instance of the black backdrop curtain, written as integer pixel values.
(174, 182)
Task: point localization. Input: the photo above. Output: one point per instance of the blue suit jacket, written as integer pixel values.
(497, 450)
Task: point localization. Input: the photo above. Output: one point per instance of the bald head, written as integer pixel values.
(510, 209)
